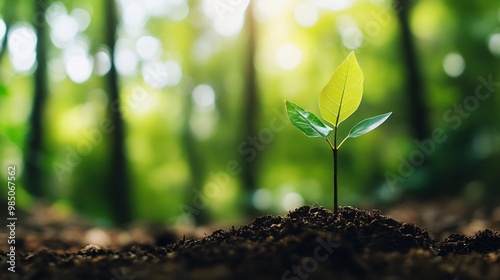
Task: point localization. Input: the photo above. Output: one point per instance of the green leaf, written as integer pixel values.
(306, 121)
(342, 94)
(367, 125)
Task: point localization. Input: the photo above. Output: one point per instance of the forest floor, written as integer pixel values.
(413, 240)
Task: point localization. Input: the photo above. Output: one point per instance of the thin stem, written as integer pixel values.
(340, 145)
(335, 188)
(329, 144)
(335, 156)
(335, 149)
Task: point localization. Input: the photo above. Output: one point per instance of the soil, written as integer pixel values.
(310, 242)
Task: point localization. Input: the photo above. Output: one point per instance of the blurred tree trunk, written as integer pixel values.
(33, 162)
(418, 115)
(7, 15)
(118, 191)
(251, 113)
(196, 166)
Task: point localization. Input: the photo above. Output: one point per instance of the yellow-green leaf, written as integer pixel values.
(342, 95)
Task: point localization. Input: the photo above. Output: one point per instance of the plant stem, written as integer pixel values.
(335, 150)
(335, 156)
(335, 188)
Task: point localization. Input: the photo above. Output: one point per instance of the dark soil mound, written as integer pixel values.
(308, 243)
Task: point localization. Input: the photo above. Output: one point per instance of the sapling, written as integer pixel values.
(338, 100)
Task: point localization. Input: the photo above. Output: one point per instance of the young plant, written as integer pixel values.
(338, 100)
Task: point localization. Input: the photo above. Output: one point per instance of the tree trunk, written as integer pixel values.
(33, 163)
(418, 117)
(118, 192)
(196, 165)
(251, 113)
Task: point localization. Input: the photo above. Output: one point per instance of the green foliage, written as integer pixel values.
(342, 95)
(338, 100)
(306, 121)
(367, 125)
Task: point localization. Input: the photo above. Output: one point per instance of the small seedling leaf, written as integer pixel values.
(367, 125)
(306, 121)
(342, 95)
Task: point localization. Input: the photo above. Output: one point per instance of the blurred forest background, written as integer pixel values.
(173, 110)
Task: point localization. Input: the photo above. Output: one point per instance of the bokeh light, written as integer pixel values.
(79, 68)
(158, 8)
(161, 74)
(175, 9)
(306, 14)
(494, 44)
(204, 96)
(179, 10)
(102, 62)
(227, 16)
(204, 116)
(82, 17)
(126, 59)
(133, 15)
(267, 10)
(291, 201)
(288, 56)
(78, 63)
(262, 199)
(352, 38)
(148, 47)
(22, 44)
(64, 29)
(453, 64)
